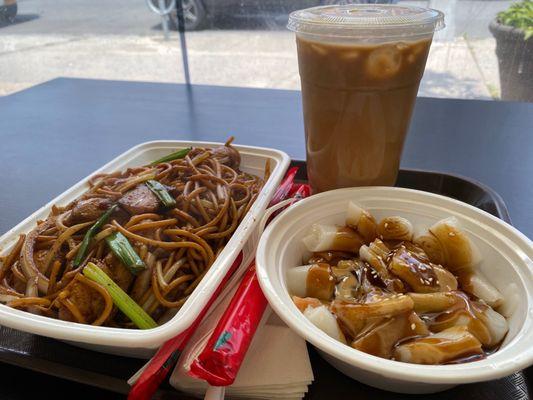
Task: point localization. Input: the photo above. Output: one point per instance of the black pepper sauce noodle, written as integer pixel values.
(173, 217)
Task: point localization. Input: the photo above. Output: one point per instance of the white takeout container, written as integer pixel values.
(142, 343)
(507, 263)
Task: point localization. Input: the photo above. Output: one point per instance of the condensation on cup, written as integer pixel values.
(360, 68)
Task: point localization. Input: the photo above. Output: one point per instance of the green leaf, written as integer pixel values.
(519, 15)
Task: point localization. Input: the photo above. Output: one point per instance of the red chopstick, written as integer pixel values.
(285, 186)
(167, 355)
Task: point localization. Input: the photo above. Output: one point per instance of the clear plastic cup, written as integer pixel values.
(360, 68)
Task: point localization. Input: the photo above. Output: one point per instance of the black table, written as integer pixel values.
(56, 133)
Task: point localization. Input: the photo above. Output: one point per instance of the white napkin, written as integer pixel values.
(276, 365)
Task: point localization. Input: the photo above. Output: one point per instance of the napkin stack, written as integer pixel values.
(276, 365)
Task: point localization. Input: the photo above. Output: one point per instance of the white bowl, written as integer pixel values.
(136, 342)
(507, 263)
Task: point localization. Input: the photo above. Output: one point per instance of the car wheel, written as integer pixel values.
(9, 12)
(194, 14)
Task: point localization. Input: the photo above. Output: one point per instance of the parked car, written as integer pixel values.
(8, 10)
(197, 13)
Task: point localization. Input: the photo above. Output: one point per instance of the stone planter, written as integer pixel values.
(515, 60)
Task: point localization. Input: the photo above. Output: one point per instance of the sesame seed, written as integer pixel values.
(386, 225)
(430, 279)
(421, 281)
(451, 234)
(413, 326)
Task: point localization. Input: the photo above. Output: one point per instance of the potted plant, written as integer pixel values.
(513, 31)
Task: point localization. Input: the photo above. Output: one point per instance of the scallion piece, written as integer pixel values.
(121, 247)
(124, 302)
(162, 194)
(173, 156)
(90, 234)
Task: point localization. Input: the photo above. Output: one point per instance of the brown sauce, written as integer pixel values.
(345, 282)
(329, 257)
(347, 239)
(412, 270)
(467, 359)
(463, 308)
(383, 338)
(320, 283)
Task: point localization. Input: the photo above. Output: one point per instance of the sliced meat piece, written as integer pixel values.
(228, 155)
(88, 301)
(89, 209)
(117, 271)
(140, 200)
(120, 215)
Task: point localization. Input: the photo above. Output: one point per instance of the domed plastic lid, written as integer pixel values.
(366, 21)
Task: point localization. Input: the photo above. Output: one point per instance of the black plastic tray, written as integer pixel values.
(109, 372)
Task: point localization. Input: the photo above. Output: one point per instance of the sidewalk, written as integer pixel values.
(458, 68)
(461, 68)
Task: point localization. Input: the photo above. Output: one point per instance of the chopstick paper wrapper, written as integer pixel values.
(225, 349)
(146, 381)
(276, 365)
(224, 353)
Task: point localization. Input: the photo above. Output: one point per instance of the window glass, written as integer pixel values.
(245, 43)
(101, 39)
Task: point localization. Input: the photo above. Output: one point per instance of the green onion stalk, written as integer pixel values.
(121, 247)
(173, 156)
(161, 193)
(124, 302)
(82, 250)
